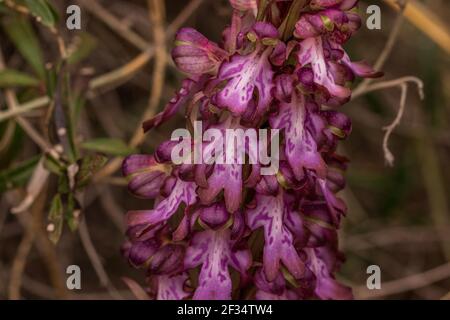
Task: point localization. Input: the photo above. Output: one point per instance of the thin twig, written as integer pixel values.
(427, 21)
(19, 263)
(24, 108)
(387, 50)
(96, 261)
(24, 10)
(11, 101)
(129, 69)
(388, 156)
(156, 16)
(403, 84)
(433, 177)
(410, 283)
(115, 24)
(157, 13)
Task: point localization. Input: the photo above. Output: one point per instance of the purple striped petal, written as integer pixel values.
(183, 192)
(212, 250)
(278, 246)
(244, 75)
(300, 147)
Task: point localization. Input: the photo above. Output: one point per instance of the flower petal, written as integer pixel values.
(278, 246)
(182, 192)
(300, 147)
(171, 287)
(244, 75)
(311, 52)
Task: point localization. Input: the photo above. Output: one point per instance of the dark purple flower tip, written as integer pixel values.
(214, 216)
(171, 287)
(268, 185)
(284, 87)
(139, 225)
(362, 69)
(213, 250)
(333, 23)
(146, 176)
(336, 206)
(164, 151)
(167, 260)
(189, 88)
(246, 77)
(279, 243)
(323, 262)
(238, 229)
(265, 30)
(194, 54)
(226, 177)
(306, 77)
(348, 4)
(141, 252)
(276, 286)
(278, 56)
(338, 123)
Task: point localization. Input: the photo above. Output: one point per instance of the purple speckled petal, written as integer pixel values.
(278, 246)
(167, 260)
(265, 30)
(188, 89)
(312, 52)
(336, 205)
(146, 175)
(214, 216)
(327, 287)
(301, 149)
(182, 192)
(212, 249)
(284, 87)
(245, 74)
(171, 287)
(275, 290)
(227, 177)
(140, 252)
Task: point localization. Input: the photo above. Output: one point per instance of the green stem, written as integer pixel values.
(263, 4)
(288, 25)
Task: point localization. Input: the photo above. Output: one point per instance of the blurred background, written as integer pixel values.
(398, 216)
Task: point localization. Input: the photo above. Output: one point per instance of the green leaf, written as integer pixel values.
(53, 165)
(88, 167)
(114, 147)
(73, 212)
(43, 11)
(63, 185)
(84, 45)
(55, 218)
(21, 33)
(3, 8)
(17, 176)
(14, 78)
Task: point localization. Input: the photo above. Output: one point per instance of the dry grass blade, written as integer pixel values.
(427, 21)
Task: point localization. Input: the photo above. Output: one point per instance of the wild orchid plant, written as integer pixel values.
(242, 234)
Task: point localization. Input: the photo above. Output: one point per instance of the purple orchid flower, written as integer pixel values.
(224, 230)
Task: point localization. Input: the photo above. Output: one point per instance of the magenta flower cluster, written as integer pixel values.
(225, 231)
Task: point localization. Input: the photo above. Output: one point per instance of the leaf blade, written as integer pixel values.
(13, 78)
(109, 146)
